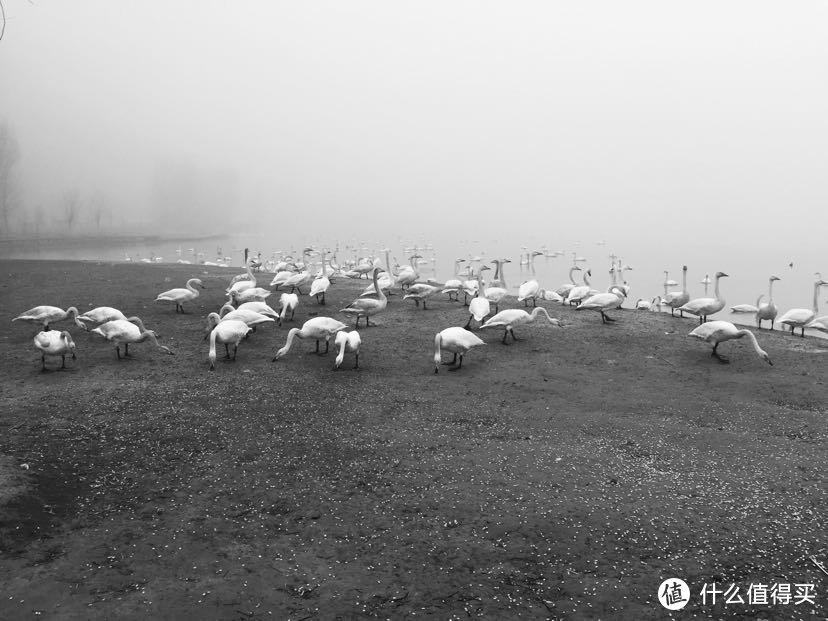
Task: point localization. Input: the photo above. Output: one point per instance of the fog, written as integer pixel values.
(684, 131)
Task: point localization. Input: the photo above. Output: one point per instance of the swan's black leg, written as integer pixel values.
(356, 364)
(424, 304)
(118, 351)
(718, 356)
(317, 346)
(366, 321)
(327, 343)
(453, 361)
(43, 361)
(292, 313)
(235, 349)
(63, 361)
(126, 350)
(459, 364)
(505, 332)
(468, 323)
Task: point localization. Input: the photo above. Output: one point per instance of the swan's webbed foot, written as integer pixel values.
(720, 358)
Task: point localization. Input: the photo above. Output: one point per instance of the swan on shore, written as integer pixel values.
(181, 295)
(603, 302)
(125, 332)
(457, 341)
(347, 342)
(54, 343)
(45, 315)
(479, 306)
(767, 312)
(676, 299)
(367, 307)
(717, 332)
(317, 328)
(102, 314)
(511, 317)
(227, 331)
(702, 307)
(287, 303)
(800, 317)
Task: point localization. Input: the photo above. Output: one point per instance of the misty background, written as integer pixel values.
(667, 133)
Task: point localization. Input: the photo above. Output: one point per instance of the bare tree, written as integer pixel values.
(99, 206)
(71, 208)
(9, 155)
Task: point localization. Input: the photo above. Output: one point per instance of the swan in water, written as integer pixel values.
(677, 299)
(102, 314)
(509, 318)
(702, 307)
(581, 292)
(668, 282)
(800, 317)
(120, 331)
(603, 302)
(747, 308)
(706, 282)
(716, 332)
(226, 331)
(181, 295)
(288, 303)
(479, 307)
(767, 312)
(54, 343)
(45, 315)
(317, 328)
(350, 342)
(456, 340)
(368, 307)
(564, 289)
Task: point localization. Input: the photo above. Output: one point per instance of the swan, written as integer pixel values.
(453, 285)
(181, 295)
(54, 343)
(386, 279)
(581, 292)
(706, 282)
(820, 323)
(45, 315)
(767, 312)
(668, 282)
(498, 289)
(350, 342)
(281, 278)
(120, 331)
(248, 317)
(456, 340)
(226, 332)
(254, 294)
(603, 302)
(564, 289)
(702, 307)
(102, 314)
(421, 291)
(747, 308)
(317, 328)
(716, 332)
(479, 307)
(368, 307)
(287, 302)
(677, 299)
(320, 284)
(243, 281)
(509, 318)
(529, 290)
(409, 274)
(800, 317)
(642, 304)
(260, 307)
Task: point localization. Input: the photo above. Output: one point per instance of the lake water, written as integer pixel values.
(747, 278)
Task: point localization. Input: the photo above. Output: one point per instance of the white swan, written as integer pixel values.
(702, 307)
(317, 328)
(529, 290)
(800, 317)
(479, 307)
(767, 312)
(253, 294)
(677, 299)
(181, 295)
(260, 307)
(227, 331)
(716, 332)
(564, 289)
(248, 317)
(453, 285)
(420, 292)
(287, 303)
(498, 288)
(54, 343)
(242, 281)
(45, 315)
(102, 314)
(409, 275)
(706, 282)
(581, 292)
(320, 284)
(350, 342)
(281, 278)
(367, 307)
(747, 308)
(120, 331)
(603, 302)
(456, 340)
(509, 318)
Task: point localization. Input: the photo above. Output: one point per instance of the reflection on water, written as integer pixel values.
(549, 267)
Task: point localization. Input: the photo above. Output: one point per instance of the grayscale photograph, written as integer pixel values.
(362, 309)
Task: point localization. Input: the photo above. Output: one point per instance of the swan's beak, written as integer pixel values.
(768, 360)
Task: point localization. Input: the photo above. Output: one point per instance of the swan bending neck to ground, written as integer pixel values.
(317, 328)
(508, 319)
(227, 331)
(120, 331)
(45, 315)
(347, 341)
(53, 343)
(716, 332)
(456, 340)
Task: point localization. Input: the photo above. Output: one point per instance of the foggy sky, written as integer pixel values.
(675, 125)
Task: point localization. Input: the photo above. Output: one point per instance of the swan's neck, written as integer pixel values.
(212, 354)
(586, 280)
(377, 288)
(437, 353)
(754, 342)
(759, 299)
(684, 282)
(537, 311)
(816, 298)
(716, 290)
(502, 275)
(571, 275)
(213, 320)
(770, 292)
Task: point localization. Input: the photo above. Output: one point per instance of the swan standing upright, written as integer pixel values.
(120, 331)
(702, 307)
(181, 295)
(717, 332)
(54, 343)
(317, 328)
(603, 302)
(498, 289)
(677, 299)
(509, 318)
(581, 292)
(45, 315)
(367, 307)
(564, 289)
(456, 340)
(767, 312)
(800, 317)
